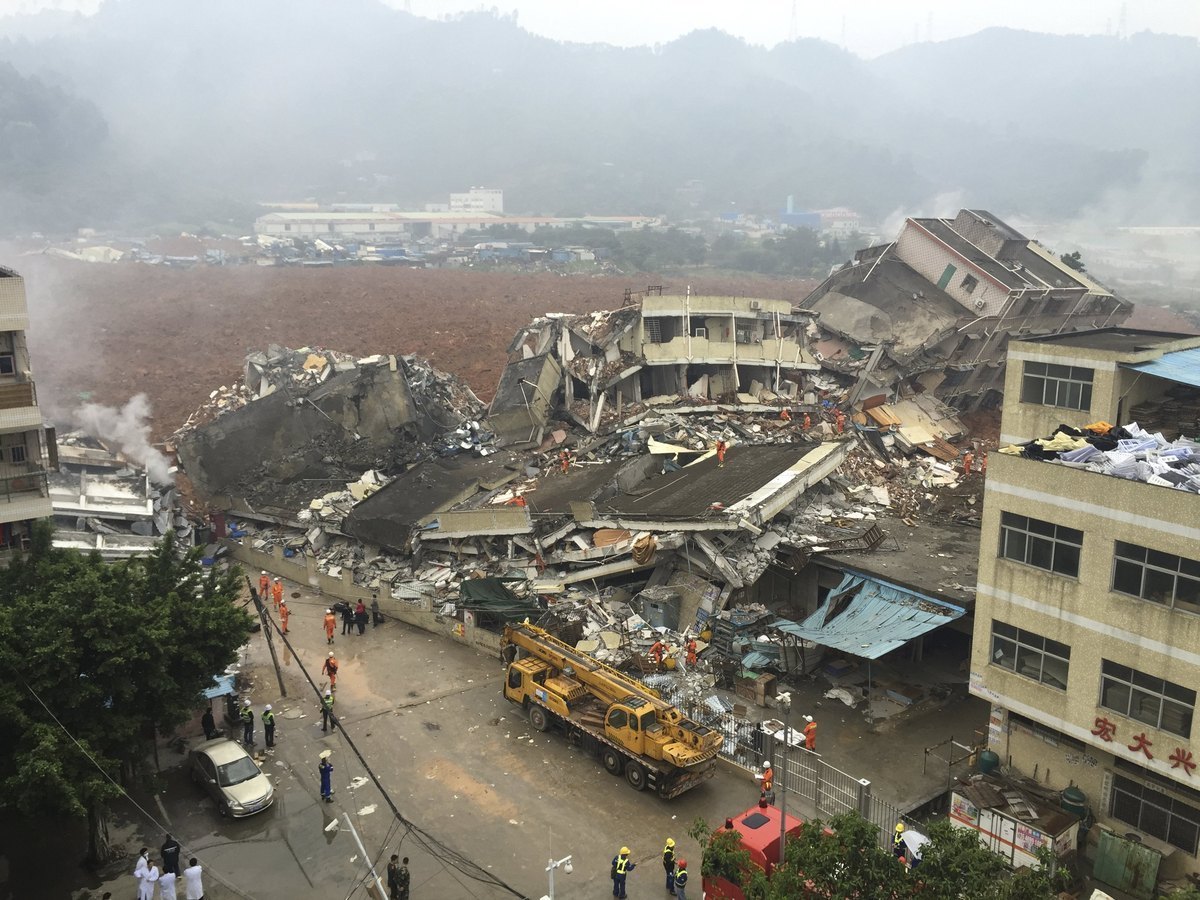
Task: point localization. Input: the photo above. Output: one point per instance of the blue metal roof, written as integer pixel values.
(1182, 366)
(222, 685)
(867, 617)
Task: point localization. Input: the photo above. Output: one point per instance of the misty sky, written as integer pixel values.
(869, 27)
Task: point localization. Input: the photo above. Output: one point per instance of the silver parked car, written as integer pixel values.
(231, 777)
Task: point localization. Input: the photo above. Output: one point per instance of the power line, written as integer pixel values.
(427, 841)
(215, 875)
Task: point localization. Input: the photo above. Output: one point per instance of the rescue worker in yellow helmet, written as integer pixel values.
(622, 865)
(669, 864)
(898, 847)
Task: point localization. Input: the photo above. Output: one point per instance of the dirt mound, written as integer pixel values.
(106, 332)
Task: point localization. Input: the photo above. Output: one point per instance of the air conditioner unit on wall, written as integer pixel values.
(755, 304)
(700, 333)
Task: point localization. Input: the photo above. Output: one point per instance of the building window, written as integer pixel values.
(1155, 576)
(1042, 544)
(1030, 654)
(1155, 813)
(8, 364)
(1047, 384)
(16, 454)
(372, 226)
(287, 227)
(947, 274)
(969, 284)
(1154, 701)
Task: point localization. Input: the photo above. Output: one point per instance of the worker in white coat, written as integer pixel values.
(142, 868)
(149, 880)
(166, 886)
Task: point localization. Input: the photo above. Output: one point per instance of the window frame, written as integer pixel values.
(1141, 683)
(1025, 643)
(8, 363)
(969, 283)
(1127, 558)
(1032, 540)
(1064, 379)
(1164, 805)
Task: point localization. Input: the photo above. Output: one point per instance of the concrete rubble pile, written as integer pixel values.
(588, 496)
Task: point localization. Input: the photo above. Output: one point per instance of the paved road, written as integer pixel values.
(456, 758)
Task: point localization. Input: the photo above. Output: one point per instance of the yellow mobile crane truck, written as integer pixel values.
(613, 717)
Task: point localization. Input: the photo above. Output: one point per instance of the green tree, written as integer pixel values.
(1074, 260)
(100, 657)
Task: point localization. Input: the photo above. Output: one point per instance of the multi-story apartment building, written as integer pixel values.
(24, 495)
(1087, 616)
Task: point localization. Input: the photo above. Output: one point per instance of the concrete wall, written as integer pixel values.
(14, 310)
(1114, 390)
(930, 257)
(1096, 622)
(302, 570)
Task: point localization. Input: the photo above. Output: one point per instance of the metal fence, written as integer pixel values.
(802, 773)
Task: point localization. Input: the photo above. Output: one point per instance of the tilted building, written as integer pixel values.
(941, 302)
(1087, 617)
(23, 445)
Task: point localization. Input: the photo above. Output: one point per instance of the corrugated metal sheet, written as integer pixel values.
(1182, 366)
(867, 617)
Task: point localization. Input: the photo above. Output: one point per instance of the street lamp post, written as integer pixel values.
(785, 700)
(565, 862)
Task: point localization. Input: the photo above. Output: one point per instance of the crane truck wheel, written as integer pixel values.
(539, 719)
(636, 776)
(612, 762)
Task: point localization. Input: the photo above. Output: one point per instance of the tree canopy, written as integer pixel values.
(100, 656)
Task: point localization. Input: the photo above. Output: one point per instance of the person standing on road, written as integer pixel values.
(193, 885)
(622, 865)
(403, 878)
(170, 855)
(330, 669)
(327, 718)
(326, 769)
(166, 886)
(360, 617)
(397, 878)
(330, 625)
(149, 880)
(264, 585)
(810, 734)
(268, 720)
(347, 612)
(277, 593)
(142, 868)
(284, 612)
(209, 726)
(376, 613)
(668, 858)
(681, 881)
(247, 724)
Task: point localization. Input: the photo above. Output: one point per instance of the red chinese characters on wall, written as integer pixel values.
(1182, 757)
(1105, 730)
(1143, 744)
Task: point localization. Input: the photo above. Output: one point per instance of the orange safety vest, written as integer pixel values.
(810, 733)
(768, 779)
(330, 622)
(264, 582)
(277, 591)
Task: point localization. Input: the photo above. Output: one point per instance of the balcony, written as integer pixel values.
(786, 351)
(24, 495)
(17, 395)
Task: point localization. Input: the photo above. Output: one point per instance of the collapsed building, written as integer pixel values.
(933, 311)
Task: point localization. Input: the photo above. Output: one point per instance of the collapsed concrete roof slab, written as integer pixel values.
(428, 488)
(755, 483)
(523, 400)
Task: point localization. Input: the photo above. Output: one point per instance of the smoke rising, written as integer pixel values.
(128, 428)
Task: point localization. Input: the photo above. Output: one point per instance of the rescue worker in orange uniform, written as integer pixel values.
(768, 784)
(657, 649)
(283, 616)
(330, 625)
(565, 458)
(968, 462)
(785, 414)
(810, 733)
(721, 448)
(331, 669)
(518, 500)
(840, 417)
(807, 422)
(691, 651)
(264, 585)
(277, 593)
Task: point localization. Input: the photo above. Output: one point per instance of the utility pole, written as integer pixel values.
(785, 700)
(551, 866)
(265, 619)
(366, 856)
